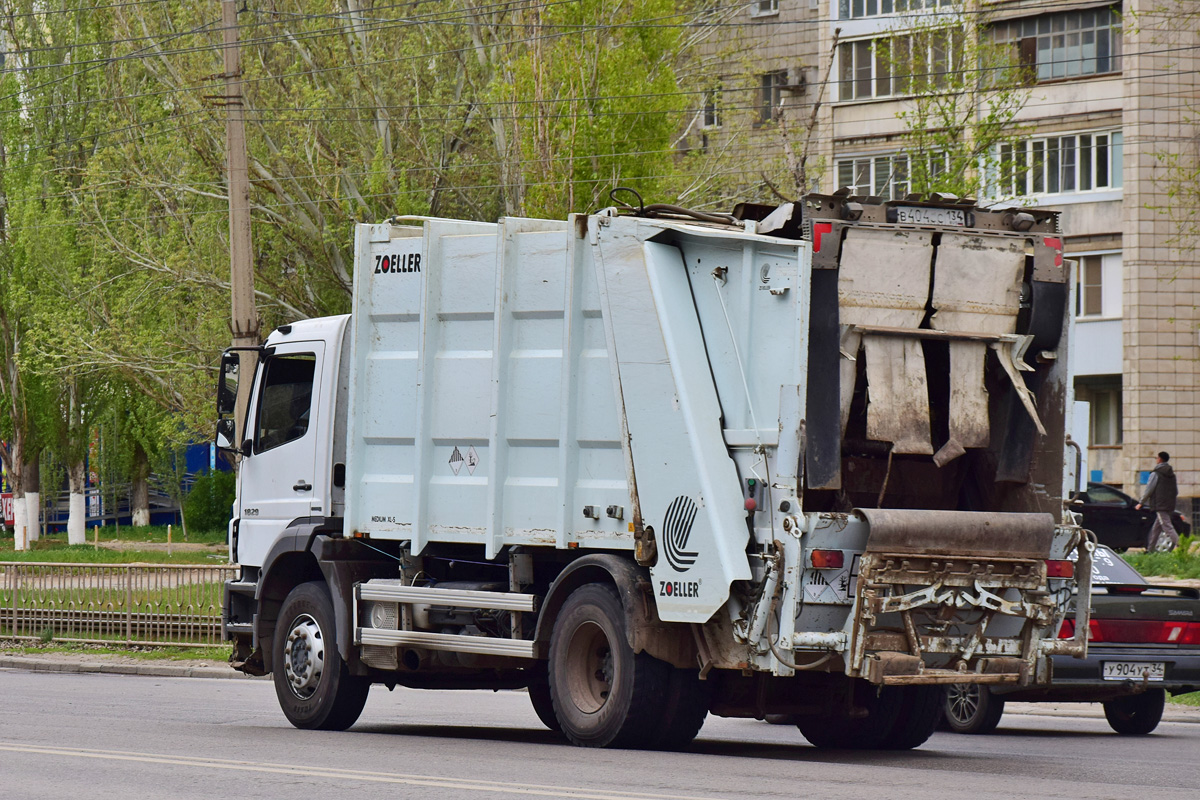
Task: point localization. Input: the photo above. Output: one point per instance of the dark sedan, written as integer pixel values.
(1143, 641)
(1115, 519)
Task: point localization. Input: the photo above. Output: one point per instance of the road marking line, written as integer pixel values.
(336, 773)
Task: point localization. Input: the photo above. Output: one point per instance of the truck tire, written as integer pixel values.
(604, 695)
(315, 689)
(1137, 714)
(687, 702)
(920, 712)
(839, 731)
(539, 697)
(972, 708)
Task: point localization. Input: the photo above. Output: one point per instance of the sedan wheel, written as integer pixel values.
(1137, 714)
(971, 708)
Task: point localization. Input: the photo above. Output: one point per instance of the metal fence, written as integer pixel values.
(134, 604)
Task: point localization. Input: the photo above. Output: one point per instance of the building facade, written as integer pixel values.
(1106, 133)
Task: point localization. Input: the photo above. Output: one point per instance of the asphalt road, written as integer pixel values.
(123, 737)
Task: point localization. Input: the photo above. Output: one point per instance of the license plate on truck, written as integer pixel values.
(919, 215)
(1133, 670)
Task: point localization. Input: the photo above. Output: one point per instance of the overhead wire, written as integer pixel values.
(341, 31)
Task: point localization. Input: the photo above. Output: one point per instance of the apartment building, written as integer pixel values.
(1107, 135)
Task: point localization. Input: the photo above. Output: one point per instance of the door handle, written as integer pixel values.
(302, 486)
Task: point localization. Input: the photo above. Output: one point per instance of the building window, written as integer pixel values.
(1103, 393)
(885, 176)
(1069, 44)
(764, 8)
(711, 117)
(1098, 285)
(1081, 162)
(1091, 287)
(770, 94)
(853, 9)
(897, 65)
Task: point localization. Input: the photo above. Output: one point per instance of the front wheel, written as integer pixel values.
(971, 708)
(1137, 714)
(315, 689)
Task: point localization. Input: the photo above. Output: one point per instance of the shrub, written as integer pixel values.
(209, 505)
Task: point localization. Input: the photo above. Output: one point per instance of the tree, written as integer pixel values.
(963, 94)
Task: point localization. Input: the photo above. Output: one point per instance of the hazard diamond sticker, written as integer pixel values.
(457, 461)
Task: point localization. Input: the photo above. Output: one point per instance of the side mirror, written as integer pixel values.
(227, 385)
(226, 430)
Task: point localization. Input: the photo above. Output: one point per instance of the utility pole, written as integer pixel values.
(244, 317)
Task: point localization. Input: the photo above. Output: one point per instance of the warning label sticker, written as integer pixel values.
(457, 461)
(827, 586)
(472, 460)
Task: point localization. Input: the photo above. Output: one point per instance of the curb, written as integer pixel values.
(1172, 713)
(149, 670)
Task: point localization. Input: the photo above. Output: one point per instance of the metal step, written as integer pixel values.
(392, 591)
(247, 588)
(453, 642)
(948, 676)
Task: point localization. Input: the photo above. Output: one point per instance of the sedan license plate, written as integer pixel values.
(917, 215)
(1133, 670)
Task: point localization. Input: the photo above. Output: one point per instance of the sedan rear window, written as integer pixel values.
(1110, 568)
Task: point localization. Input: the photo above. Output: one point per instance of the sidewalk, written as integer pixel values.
(112, 664)
(1174, 712)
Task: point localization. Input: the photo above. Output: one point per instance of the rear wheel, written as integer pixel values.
(687, 704)
(314, 686)
(1137, 714)
(920, 712)
(604, 695)
(880, 708)
(539, 696)
(971, 708)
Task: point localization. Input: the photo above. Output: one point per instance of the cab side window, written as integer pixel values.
(285, 400)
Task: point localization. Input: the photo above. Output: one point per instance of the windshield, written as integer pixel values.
(1109, 568)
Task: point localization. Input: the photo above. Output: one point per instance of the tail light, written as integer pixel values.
(1135, 631)
(1067, 631)
(1060, 569)
(828, 559)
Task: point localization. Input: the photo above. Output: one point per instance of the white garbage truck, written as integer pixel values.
(650, 464)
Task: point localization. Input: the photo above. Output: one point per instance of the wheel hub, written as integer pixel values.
(963, 701)
(590, 668)
(304, 657)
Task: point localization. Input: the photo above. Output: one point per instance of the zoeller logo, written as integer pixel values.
(677, 527)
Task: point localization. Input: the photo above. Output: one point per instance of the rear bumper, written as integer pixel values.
(1081, 678)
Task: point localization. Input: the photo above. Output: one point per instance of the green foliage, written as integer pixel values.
(1182, 562)
(114, 249)
(60, 553)
(966, 92)
(1189, 699)
(209, 504)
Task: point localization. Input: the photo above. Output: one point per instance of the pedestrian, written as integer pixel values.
(1159, 497)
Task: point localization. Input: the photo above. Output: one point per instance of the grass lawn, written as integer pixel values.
(54, 548)
(11, 647)
(1190, 699)
(1178, 563)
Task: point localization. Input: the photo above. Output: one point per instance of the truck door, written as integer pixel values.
(279, 474)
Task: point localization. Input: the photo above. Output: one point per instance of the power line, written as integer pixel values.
(410, 21)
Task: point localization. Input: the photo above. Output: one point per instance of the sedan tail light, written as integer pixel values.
(1135, 631)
